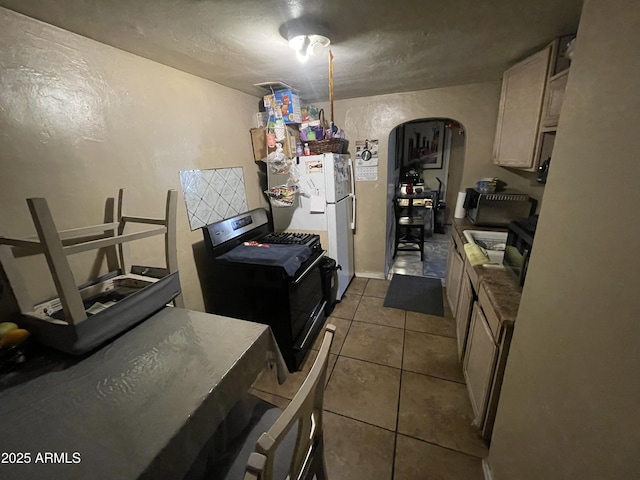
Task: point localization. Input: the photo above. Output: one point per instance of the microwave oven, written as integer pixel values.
(519, 246)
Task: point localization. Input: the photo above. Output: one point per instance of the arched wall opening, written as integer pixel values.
(429, 154)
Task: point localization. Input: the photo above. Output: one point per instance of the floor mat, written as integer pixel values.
(416, 294)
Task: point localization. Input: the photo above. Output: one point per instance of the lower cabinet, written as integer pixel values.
(463, 314)
(484, 328)
(479, 363)
(453, 279)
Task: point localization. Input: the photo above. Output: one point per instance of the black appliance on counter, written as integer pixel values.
(519, 246)
(267, 277)
(543, 171)
(497, 209)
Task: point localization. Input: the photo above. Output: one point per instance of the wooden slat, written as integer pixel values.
(111, 253)
(58, 265)
(106, 242)
(149, 221)
(73, 233)
(170, 242)
(123, 248)
(32, 245)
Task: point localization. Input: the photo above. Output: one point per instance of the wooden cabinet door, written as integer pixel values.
(455, 268)
(553, 99)
(479, 363)
(463, 315)
(523, 88)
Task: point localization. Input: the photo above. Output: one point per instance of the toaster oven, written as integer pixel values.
(497, 209)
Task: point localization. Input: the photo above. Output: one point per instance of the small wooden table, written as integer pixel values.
(142, 406)
(402, 198)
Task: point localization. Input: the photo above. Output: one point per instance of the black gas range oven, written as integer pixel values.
(266, 277)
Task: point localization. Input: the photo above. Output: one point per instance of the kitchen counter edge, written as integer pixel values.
(501, 286)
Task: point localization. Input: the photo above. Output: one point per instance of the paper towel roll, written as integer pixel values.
(459, 211)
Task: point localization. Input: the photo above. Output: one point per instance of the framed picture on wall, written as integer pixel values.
(430, 153)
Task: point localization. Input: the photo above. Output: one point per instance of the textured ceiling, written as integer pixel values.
(379, 46)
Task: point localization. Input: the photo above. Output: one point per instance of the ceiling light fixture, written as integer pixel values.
(306, 45)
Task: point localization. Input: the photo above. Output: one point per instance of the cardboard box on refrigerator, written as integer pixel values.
(287, 103)
(259, 141)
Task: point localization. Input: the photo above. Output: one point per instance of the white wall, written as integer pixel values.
(569, 404)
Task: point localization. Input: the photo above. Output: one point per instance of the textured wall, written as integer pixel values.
(569, 404)
(79, 120)
(474, 106)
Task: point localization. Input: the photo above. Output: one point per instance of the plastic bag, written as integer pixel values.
(282, 195)
(277, 161)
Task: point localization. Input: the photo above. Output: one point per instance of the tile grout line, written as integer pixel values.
(373, 362)
(381, 324)
(271, 393)
(435, 376)
(345, 337)
(358, 420)
(417, 439)
(429, 333)
(395, 437)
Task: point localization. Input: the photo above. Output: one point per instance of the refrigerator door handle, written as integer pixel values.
(352, 194)
(353, 211)
(352, 177)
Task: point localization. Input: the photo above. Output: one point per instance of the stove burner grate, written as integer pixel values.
(287, 238)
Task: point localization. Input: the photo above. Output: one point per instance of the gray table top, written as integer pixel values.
(140, 407)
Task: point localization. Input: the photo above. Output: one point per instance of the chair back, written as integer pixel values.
(305, 409)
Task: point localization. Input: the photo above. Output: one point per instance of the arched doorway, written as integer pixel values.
(429, 153)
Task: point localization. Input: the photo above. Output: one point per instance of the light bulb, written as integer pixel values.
(303, 52)
(306, 45)
(302, 57)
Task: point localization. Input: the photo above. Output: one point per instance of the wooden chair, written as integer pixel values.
(270, 448)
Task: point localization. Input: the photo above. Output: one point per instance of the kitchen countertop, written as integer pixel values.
(501, 285)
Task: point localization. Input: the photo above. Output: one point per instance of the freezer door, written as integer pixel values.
(341, 240)
(337, 177)
(302, 216)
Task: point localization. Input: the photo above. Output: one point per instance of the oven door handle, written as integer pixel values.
(309, 268)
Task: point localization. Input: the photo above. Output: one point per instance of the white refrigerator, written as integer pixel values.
(324, 205)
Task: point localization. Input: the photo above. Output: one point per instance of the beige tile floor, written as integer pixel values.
(396, 407)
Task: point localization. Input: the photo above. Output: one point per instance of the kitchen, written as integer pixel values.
(128, 109)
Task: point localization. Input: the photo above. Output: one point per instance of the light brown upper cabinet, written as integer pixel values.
(553, 99)
(523, 92)
(532, 95)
